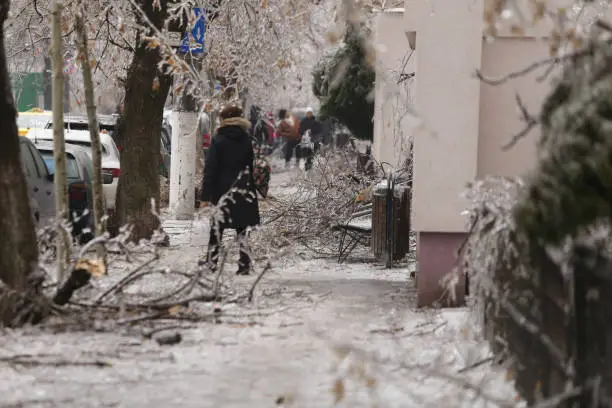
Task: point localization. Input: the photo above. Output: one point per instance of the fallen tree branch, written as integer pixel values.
(125, 280)
(25, 360)
(32, 402)
(259, 277)
(186, 287)
(78, 278)
(138, 319)
(476, 364)
(183, 302)
(148, 334)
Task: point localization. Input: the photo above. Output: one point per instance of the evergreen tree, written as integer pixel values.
(344, 83)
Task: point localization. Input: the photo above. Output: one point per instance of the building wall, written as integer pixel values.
(499, 116)
(449, 47)
(393, 122)
(465, 123)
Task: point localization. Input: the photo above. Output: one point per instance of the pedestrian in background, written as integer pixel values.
(289, 131)
(312, 127)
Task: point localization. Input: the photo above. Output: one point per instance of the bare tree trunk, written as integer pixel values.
(139, 129)
(18, 251)
(59, 149)
(94, 130)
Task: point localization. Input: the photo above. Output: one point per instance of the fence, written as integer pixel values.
(551, 323)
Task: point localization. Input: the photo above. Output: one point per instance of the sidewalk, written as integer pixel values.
(186, 233)
(282, 349)
(317, 333)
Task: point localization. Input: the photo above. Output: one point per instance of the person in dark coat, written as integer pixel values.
(310, 123)
(228, 183)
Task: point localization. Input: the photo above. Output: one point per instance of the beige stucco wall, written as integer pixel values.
(393, 122)
(449, 47)
(499, 116)
(464, 123)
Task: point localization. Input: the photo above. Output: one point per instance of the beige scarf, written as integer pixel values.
(240, 121)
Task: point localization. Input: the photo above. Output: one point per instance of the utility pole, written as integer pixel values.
(184, 122)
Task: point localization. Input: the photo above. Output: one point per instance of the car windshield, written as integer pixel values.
(72, 170)
(32, 121)
(108, 128)
(76, 125)
(88, 145)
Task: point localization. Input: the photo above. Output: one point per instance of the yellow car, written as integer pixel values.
(35, 118)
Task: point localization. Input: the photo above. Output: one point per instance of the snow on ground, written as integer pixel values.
(313, 321)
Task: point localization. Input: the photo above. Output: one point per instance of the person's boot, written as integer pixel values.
(308, 164)
(244, 265)
(207, 262)
(243, 270)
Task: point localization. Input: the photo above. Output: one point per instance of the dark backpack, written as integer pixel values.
(260, 132)
(261, 170)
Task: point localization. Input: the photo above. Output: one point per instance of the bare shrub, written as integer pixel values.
(325, 196)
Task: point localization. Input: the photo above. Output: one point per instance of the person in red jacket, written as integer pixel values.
(288, 129)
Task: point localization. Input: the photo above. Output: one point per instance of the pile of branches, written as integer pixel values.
(139, 289)
(528, 310)
(505, 290)
(327, 195)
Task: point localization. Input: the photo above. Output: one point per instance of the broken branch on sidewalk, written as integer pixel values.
(44, 360)
(94, 297)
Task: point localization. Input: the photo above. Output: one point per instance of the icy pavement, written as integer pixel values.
(285, 354)
(318, 333)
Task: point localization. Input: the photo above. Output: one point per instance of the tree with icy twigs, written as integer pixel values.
(344, 82)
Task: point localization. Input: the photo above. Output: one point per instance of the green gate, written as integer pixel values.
(28, 90)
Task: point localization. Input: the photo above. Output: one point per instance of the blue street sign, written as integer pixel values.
(193, 40)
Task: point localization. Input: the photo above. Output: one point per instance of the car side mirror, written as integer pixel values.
(51, 177)
(107, 178)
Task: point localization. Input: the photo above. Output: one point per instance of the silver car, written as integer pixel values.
(40, 183)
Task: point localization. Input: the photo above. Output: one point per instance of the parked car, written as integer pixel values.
(110, 156)
(35, 118)
(79, 172)
(107, 123)
(41, 189)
